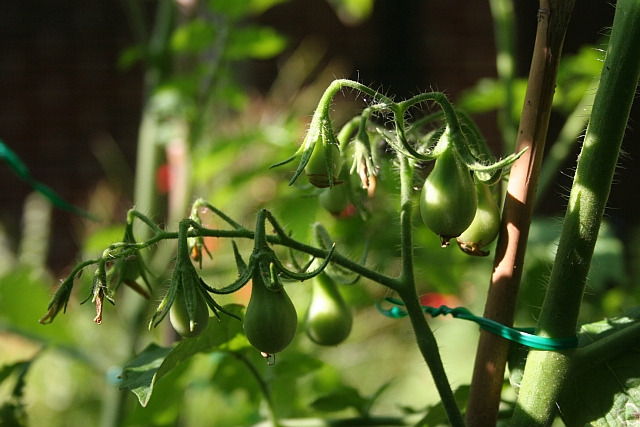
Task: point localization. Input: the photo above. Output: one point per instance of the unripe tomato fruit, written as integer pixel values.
(271, 320)
(485, 225)
(329, 318)
(334, 200)
(179, 316)
(448, 201)
(317, 170)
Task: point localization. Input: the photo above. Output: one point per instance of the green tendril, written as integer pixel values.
(524, 336)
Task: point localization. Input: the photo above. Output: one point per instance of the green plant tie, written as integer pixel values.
(524, 336)
(19, 168)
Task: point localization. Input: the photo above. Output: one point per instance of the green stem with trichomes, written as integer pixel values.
(407, 292)
(546, 372)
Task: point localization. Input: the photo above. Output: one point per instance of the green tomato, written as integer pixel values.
(179, 316)
(448, 201)
(334, 200)
(271, 320)
(485, 226)
(325, 158)
(329, 318)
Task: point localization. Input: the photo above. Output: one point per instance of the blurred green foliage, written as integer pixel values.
(234, 136)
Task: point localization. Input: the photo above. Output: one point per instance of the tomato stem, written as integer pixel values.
(407, 291)
(546, 372)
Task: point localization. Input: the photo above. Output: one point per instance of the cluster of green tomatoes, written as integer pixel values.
(456, 202)
(452, 204)
(271, 320)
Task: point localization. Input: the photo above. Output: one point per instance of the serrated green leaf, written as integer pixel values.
(141, 374)
(608, 394)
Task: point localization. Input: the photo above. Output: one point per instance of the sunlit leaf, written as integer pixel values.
(352, 12)
(193, 37)
(95, 242)
(255, 42)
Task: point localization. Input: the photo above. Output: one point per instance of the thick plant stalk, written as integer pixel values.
(546, 372)
(488, 375)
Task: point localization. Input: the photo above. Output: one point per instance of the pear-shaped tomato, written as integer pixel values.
(325, 158)
(448, 201)
(329, 318)
(335, 199)
(271, 320)
(179, 316)
(485, 226)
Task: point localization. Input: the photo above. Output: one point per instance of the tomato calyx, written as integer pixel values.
(188, 296)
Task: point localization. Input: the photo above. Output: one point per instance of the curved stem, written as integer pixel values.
(325, 102)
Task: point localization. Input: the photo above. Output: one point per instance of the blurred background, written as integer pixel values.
(63, 92)
(233, 85)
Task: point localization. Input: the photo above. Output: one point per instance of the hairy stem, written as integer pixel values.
(407, 292)
(546, 372)
(488, 375)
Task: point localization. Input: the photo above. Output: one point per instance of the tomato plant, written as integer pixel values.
(384, 257)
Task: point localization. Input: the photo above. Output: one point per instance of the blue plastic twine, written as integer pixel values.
(522, 336)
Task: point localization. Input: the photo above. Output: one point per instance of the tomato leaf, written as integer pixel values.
(141, 374)
(342, 398)
(436, 415)
(608, 394)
